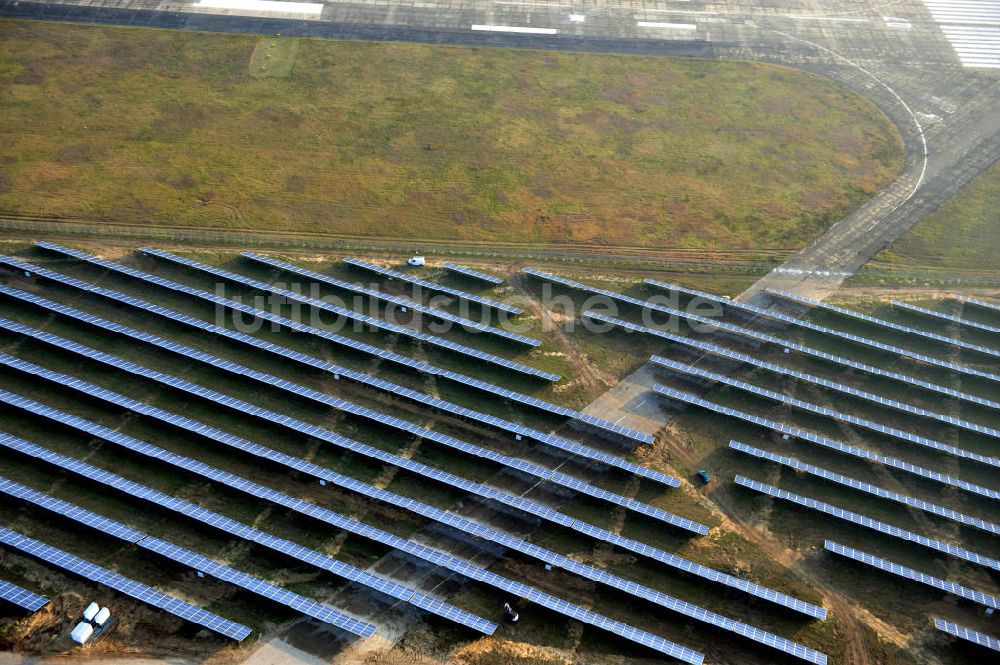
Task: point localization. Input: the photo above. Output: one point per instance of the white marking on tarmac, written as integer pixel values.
(515, 28)
(667, 26)
(965, 24)
(533, 4)
(827, 18)
(264, 6)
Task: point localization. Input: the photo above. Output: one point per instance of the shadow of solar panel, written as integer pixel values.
(129, 587)
(915, 575)
(825, 442)
(276, 594)
(941, 316)
(967, 634)
(869, 523)
(868, 488)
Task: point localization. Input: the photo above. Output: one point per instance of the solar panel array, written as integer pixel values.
(824, 411)
(967, 634)
(828, 443)
(321, 434)
(993, 307)
(517, 430)
(474, 274)
(368, 349)
(856, 339)
(792, 346)
(941, 316)
(911, 574)
(869, 523)
(351, 315)
(868, 488)
(110, 527)
(479, 531)
(432, 286)
(812, 302)
(248, 533)
(764, 337)
(349, 525)
(129, 587)
(729, 354)
(302, 466)
(26, 600)
(405, 303)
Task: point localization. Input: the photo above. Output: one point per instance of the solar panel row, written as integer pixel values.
(967, 634)
(349, 525)
(307, 429)
(432, 286)
(941, 316)
(993, 307)
(828, 443)
(26, 600)
(868, 488)
(405, 303)
(752, 334)
(858, 316)
(474, 274)
(255, 585)
(110, 480)
(806, 350)
(517, 430)
(351, 315)
(911, 574)
(368, 349)
(869, 523)
(729, 354)
(479, 531)
(824, 411)
(856, 339)
(129, 587)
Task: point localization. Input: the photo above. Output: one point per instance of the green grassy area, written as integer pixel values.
(428, 142)
(960, 237)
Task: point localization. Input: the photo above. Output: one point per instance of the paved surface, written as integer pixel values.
(931, 67)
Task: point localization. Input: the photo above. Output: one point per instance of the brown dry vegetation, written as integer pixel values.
(427, 142)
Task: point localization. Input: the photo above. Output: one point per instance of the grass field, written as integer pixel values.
(428, 143)
(960, 237)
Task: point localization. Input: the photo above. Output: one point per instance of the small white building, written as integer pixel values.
(102, 617)
(91, 611)
(82, 632)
